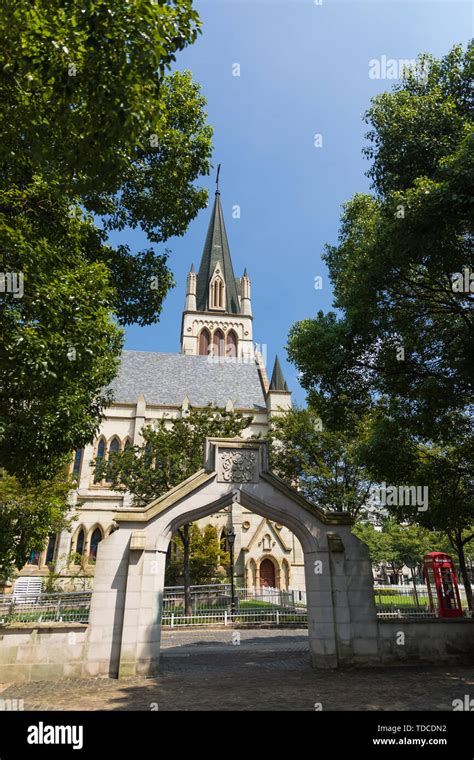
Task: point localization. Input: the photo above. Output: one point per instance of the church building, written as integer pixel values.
(218, 364)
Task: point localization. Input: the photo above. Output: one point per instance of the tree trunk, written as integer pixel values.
(459, 546)
(188, 609)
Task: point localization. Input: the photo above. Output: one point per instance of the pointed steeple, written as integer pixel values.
(216, 252)
(278, 382)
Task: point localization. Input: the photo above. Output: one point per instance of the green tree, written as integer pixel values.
(403, 330)
(170, 452)
(402, 341)
(380, 544)
(96, 136)
(27, 517)
(325, 464)
(207, 561)
(395, 454)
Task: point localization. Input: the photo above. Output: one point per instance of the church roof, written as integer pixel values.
(166, 379)
(216, 249)
(278, 382)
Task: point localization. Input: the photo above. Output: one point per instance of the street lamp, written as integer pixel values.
(231, 541)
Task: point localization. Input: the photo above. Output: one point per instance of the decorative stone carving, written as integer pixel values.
(237, 466)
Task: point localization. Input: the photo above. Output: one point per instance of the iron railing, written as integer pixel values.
(407, 601)
(45, 608)
(212, 605)
(297, 619)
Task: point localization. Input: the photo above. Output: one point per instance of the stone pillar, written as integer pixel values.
(62, 553)
(140, 651)
(107, 605)
(321, 622)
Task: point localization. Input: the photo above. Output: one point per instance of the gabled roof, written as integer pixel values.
(167, 379)
(278, 382)
(216, 250)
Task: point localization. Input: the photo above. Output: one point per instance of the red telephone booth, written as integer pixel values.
(442, 582)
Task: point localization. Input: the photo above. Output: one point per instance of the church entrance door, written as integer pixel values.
(267, 574)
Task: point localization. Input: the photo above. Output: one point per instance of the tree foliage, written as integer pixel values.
(96, 135)
(403, 331)
(171, 451)
(325, 464)
(401, 346)
(27, 517)
(207, 561)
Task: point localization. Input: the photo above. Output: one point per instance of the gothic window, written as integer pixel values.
(79, 546)
(148, 455)
(50, 550)
(99, 458)
(204, 341)
(76, 468)
(231, 344)
(218, 343)
(114, 448)
(95, 539)
(127, 444)
(34, 557)
(217, 293)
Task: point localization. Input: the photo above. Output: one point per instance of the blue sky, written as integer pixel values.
(304, 70)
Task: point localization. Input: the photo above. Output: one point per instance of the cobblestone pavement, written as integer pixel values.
(268, 670)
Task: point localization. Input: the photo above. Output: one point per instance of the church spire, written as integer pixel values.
(216, 256)
(278, 382)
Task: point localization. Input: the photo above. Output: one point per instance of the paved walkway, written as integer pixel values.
(267, 670)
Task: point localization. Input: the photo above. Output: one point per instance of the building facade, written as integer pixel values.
(218, 364)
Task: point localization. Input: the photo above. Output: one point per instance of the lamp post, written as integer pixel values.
(231, 540)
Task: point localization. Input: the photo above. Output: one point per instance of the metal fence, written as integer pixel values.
(212, 605)
(213, 599)
(297, 618)
(406, 601)
(45, 608)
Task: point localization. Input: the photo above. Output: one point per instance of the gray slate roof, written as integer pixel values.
(168, 378)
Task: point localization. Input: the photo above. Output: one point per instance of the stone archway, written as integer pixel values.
(125, 619)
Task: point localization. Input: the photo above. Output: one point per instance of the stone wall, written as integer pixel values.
(426, 640)
(61, 650)
(48, 651)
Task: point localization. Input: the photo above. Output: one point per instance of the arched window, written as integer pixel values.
(204, 341)
(79, 546)
(148, 455)
(218, 343)
(127, 445)
(95, 539)
(34, 557)
(99, 459)
(76, 468)
(231, 344)
(217, 294)
(114, 448)
(51, 548)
